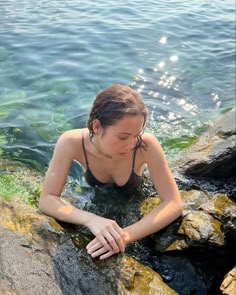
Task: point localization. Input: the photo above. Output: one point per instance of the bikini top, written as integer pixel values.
(130, 186)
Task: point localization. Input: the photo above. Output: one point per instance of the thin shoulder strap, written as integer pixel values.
(134, 156)
(85, 155)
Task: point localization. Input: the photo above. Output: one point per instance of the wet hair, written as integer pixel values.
(112, 104)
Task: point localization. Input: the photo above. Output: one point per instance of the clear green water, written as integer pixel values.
(56, 55)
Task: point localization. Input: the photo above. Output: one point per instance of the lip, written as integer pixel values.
(123, 154)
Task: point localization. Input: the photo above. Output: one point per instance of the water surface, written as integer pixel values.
(56, 55)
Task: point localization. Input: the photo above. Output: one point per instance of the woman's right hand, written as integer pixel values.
(108, 232)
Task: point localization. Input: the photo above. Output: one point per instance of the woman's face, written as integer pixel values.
(120, 138)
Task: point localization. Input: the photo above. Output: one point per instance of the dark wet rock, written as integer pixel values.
(209, 165)
(180, 272)
(210, 185)
(193, 200)
(197, 238)
(201, 229)
(194, 246)
(229, 223)
(204, 222)
(37, 257)
(228, 287)
(218, 205)
(214, 153)
(78, 273)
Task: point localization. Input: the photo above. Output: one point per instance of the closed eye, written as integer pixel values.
(123, 138)
(136, 136)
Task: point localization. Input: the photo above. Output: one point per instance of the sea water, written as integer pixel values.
(56, 55)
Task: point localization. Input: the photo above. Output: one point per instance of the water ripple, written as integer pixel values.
(56, 55)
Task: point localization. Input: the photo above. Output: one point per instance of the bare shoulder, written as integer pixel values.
(150, 140)
(71, 135)
(153, 146)
(70, 140)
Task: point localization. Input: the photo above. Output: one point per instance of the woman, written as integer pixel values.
(112, 149)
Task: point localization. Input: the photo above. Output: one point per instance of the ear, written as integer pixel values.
(96, 126)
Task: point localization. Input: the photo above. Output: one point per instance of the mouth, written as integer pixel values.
(123, 154)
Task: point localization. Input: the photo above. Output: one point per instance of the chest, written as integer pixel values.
(113, 171)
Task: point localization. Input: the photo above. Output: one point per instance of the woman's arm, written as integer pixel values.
(107, 231)
(169, 209)
(165, 185)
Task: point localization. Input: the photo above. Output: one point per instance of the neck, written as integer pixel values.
(98, 148)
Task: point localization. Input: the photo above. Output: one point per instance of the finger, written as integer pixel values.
(99, 252)
(93, 242)
(105, 242)
(121, 238)
(115, 239)
(106, 255)
(112, 242)
(94, 247)
(119, 241)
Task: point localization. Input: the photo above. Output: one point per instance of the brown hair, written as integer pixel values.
(113, 103)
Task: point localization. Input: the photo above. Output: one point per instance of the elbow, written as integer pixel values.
(42, 204)
(179, 208)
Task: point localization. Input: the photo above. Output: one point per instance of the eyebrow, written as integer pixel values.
(126, 133)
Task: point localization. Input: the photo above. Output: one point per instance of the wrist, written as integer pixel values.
(88, 219)
(126, 236)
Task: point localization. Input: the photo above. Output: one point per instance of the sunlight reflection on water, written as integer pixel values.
(55, 56)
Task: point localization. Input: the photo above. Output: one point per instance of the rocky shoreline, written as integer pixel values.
(193, 255)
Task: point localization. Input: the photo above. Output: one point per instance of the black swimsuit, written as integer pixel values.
(131, 185)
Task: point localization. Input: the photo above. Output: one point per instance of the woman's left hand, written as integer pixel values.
(95, 249)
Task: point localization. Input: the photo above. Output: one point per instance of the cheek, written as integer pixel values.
(115, 147)
(109, 145)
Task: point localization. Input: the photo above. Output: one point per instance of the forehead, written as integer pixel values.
(129, 124)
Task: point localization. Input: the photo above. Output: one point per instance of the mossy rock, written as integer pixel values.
(20, 183)
(149, 204)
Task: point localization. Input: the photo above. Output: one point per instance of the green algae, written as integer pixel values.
(20, 184)
(9, 189)
(172, 146)
(179, 143)
(3, 139)
(226, 110)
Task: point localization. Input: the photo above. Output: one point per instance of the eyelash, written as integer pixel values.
(128, 137)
